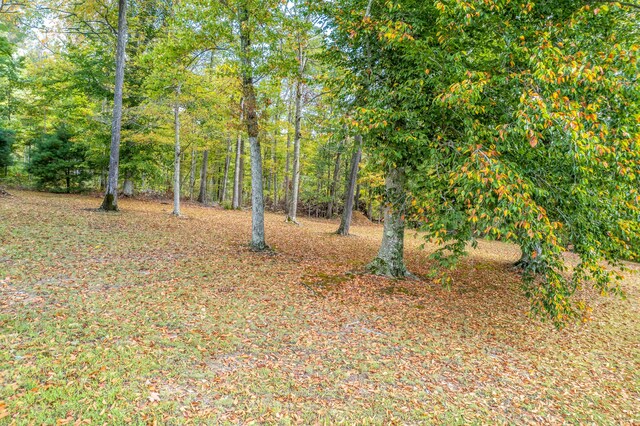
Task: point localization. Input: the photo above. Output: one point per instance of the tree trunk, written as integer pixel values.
(225, 178)
(110, 202)
(390, 260)
(345, 221)
(177, 153)
(288, 162)
(257, 198)
(215, 183)
(527, 258)
(239, 166)
(334, 184)
(202, 197)
(127, 187)
(293, 207)
(192, 174)
(183, 178)
(266, 179)
(251, 118)
(274, 169)
(235, 203)
(241, 182)
(370, 203)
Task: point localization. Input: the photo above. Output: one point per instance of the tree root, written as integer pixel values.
(383, 268)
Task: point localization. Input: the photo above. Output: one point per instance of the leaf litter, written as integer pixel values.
(137, 317)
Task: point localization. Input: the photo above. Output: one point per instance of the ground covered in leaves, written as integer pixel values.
(138, 317)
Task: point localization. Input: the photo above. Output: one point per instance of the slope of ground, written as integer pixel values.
(138, 317)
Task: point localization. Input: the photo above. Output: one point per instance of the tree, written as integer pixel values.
(177, 154)
(7, 139)
(360, 46)
(10, 67)
(333, 187)
(297, 135)
(83, 37)
(349, 192)
(110, 202)
(202, 195)
(390, 258)
(225, 178)
(550, 146)
(503, 122)
(237, 174)
(58, 161)
(251, 121)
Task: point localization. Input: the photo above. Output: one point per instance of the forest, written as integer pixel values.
(299, 199)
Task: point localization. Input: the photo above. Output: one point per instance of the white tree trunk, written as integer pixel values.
(274, 168)
(225, 177)
(177, 153)
(288, 161)
(237, 173)
(293, 206)
(295, 191)
(235, 203)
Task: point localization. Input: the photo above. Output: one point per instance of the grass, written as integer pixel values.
(138, 317)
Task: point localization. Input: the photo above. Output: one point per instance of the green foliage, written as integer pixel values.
(10, 81)
(549, 152)
(58, 163)
(514, 121)
(6, 142)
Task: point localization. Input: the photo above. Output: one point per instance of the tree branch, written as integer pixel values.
(10, 7)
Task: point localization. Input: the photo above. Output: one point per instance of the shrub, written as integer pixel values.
(59, 163)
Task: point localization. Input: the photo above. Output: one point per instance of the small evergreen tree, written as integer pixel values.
(57, 162)
(6, 141)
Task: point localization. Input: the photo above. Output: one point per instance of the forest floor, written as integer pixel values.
(138, 317)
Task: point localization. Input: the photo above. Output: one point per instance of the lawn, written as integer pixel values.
(138, 317)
